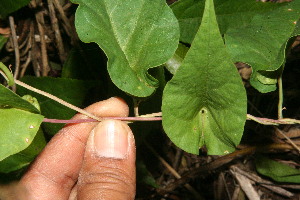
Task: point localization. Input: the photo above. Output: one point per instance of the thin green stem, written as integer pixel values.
(280, 99)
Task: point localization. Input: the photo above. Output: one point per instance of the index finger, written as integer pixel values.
(56, 169)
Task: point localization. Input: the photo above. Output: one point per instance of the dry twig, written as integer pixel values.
(16, 47)
(246, 185)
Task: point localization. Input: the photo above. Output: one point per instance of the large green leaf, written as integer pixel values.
(277, 171)
(71, 90)
(230, 14)
(17, 130)
(262, 43)
(9, 6)
(10, 99)
(25, 157)
(205, 102)
(256, 33)
(135, 35)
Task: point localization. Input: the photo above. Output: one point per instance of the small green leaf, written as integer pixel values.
(277, 171)
(18, 128)
(33, 101)
(3, 41)
(25, 157)
(9, 99)
(135, 35)
(205, 102)
(9, 6)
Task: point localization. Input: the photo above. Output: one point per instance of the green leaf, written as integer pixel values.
(230, 14)
(17, 130)
(9, 6)
(71, 90)
(256, 33)
(25, 157)
(205, 102)
(9, 99)
(262, 43)
(33, 101)
(135, 35)
(277, 171)
(189, 14)
(297, 29)
(3, 41)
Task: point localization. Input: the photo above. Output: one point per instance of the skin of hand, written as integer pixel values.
(84, 161)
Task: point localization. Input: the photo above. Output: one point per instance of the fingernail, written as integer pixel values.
(111, 140)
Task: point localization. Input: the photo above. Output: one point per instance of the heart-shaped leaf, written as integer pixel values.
(262, 43)
(205, 102)
(135, 35)
(255, 33)
(230, 14)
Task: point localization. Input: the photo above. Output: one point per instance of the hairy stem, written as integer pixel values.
(73, 121)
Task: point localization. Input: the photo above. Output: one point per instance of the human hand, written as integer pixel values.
(85, 161)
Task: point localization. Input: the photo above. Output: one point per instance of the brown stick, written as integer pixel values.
(70, 31)
(34, 53)
(55, 27)
(39, 16)
(205, 169)
(16, 47)
(25, 65)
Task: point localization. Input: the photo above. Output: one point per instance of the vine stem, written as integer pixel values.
(148, 117)
(267, 121)
(73, 121)
(280, 99)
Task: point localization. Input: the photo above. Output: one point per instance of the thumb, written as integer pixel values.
(108, 169)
